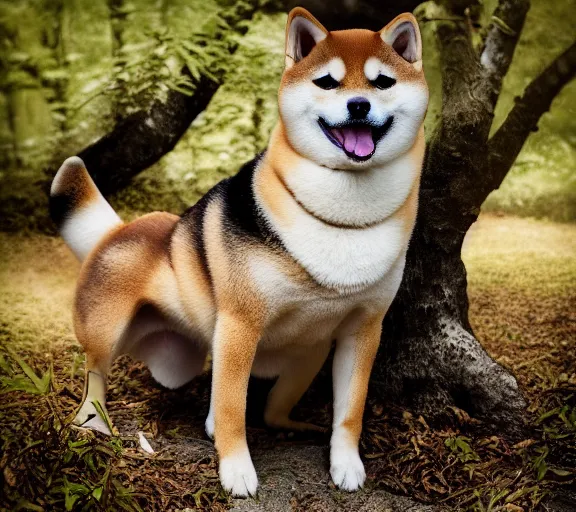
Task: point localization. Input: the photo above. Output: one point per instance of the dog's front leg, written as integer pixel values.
(356, 348)
(235, 342)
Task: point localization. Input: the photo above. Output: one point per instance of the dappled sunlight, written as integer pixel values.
(522, 290)
(37, 279)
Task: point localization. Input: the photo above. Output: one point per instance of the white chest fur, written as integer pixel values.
(300, 315)
(346, 259)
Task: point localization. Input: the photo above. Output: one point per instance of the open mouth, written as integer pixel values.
(357, 139)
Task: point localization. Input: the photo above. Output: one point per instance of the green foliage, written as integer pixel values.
(144, 71)
(460, 448)
(69, 69)
(28, 381)
(25, 61)
(541, 184)
(51, 465)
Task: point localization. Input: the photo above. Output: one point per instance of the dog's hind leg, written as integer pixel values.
(100, 332)
(173, 359)
(107, 298)
(295, 378)
(92, 413)
(114, 286)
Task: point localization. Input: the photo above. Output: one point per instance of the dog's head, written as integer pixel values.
(352, 99)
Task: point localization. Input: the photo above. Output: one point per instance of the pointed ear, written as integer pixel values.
(303, 32)
(403, 35)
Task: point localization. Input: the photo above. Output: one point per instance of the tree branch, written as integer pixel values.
(471, 86)
(507, 142)
(142, 138)
(500, 43)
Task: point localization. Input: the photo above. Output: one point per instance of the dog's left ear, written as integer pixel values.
(303, 32)
(403, 35)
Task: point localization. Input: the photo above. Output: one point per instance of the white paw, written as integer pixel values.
(238, 476)
(346, 469)
(209, 425)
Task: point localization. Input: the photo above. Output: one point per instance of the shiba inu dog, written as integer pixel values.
(304, 246)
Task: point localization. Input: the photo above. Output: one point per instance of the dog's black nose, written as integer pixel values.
(358, 108)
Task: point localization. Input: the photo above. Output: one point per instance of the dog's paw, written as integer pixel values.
(238, 476)
(209, 425)
(347, 470)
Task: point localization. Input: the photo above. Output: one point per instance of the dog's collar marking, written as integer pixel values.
(318, 217)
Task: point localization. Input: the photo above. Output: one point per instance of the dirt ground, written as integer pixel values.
(522, 288)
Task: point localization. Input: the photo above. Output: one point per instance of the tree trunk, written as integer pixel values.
(29, 111)
(429, 356)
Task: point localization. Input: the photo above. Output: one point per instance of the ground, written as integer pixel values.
(522, 284)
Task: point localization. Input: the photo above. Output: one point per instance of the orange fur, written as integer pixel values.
(354, 47)
(112, 284)
(367, 342)
(234, 349)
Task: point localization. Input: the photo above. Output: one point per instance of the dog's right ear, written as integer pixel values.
(303, 32)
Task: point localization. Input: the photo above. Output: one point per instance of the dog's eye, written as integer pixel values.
(383, 82)
(326, 82)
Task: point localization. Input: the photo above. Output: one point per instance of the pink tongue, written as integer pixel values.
(356, 140)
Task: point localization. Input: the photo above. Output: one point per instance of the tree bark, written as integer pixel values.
(345, 14)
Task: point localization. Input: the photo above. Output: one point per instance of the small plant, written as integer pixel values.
(48, 464)
(27, 381)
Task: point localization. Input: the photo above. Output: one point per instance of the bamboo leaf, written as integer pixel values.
(561, 472)
(42, 384)
(5, 366)
(97, 493)
(542, 469)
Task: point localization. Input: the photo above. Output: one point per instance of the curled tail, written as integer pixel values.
(78, 208)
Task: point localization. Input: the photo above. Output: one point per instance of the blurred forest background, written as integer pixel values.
(70, 71)
(70, 68)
